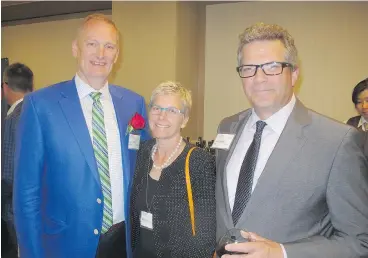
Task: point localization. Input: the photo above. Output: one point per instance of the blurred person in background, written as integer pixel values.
(360, 100)
(17, 82)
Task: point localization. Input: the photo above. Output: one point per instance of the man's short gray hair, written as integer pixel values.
(261, 32)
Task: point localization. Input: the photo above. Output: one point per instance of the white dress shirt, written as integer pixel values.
(15, 104)
(113, 142)
(270, 135)
(363, 123)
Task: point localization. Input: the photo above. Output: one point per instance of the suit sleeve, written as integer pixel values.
(347, 200)
(7, 163)
(29, 164)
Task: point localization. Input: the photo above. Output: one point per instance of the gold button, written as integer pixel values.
(98, 200)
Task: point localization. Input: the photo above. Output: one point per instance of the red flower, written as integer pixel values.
(136, 123)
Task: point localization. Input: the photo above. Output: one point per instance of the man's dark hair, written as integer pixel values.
(19, 77)
(360, 87)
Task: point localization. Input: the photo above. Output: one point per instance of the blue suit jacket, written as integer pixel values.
(56, 182)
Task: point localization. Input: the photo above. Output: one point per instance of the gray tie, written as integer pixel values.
(245, 181)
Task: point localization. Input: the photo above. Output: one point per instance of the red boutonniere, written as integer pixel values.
(136, 123)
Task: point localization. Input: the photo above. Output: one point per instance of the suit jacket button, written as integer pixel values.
(98, 200)
(95, 232)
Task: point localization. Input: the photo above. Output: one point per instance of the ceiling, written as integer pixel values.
(21, 11)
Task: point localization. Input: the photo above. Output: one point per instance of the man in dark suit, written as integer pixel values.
(296, 180)
(75, 156)
(17, 82)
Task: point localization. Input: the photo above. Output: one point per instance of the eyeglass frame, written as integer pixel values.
(166, 109)
(283, 65)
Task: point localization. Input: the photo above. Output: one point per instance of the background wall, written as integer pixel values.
(332, 41)
(159, 43)
(45, 47)
(195, 43)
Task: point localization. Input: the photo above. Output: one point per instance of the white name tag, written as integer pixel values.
(146, 220)
(223, 141)
(134, 141)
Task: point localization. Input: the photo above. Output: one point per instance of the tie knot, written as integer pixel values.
(260, 125)
(95, 96)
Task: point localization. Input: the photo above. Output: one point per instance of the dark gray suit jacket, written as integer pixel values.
(312, 195)
(366, 145)
(354, 121)
(7, 170)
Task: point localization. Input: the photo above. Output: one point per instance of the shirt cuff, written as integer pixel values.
(283, 250)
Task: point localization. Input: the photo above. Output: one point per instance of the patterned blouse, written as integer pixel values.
(172, 230)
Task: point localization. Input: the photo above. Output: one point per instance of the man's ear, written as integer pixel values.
(5, 87)
(75, 48)
(355, 106)
(117, 55)
(294, 76)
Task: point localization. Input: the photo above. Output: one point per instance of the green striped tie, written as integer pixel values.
(102, 157)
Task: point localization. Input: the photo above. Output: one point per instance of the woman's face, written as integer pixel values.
(166, 116)
(362, 104)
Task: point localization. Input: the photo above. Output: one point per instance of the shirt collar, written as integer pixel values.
(15, 104)
(85, 89)
(362, 121)
(278, 120)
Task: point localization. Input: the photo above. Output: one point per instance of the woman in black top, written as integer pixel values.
(160, 217)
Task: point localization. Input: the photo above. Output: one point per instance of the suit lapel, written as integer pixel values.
(70, 104)
(236, 128)
(288, 146)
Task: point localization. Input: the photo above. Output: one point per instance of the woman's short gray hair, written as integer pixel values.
(172, 88)
(261, 31)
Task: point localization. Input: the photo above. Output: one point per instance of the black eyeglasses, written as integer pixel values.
(271, 68)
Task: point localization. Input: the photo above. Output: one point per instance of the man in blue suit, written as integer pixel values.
(17, 82)
(75, 159)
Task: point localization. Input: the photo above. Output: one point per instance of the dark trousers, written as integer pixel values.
(112, 244)
(9, 249)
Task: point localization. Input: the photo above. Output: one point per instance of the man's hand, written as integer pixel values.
(258, 247)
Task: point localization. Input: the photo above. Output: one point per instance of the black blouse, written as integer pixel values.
(172, 231)
(145, 246)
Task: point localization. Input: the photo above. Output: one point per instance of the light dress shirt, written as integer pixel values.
(113, 141)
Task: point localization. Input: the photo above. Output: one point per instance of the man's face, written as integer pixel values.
(96, 50)
(267, 93)
(362, 105)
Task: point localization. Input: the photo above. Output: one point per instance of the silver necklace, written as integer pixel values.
(166, 163)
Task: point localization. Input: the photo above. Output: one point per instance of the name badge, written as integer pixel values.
(223, 141)
(134, 141)
(146, 220)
